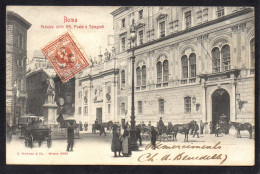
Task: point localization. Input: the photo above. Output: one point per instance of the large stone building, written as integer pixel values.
(192, 63)
(16, 56)
(37, 79)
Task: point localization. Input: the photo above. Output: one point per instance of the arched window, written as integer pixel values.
(192, 65)
(143, 75)
(184, 62)
(225, 53)
(215, 60)
(187, 105)
(159, 72)
(252, 51)
(165, 71)
(123, 108)
(161, 106)
(123, 78)
(138, 76)
(162, 70)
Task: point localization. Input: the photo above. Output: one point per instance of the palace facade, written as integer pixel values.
(192, 63)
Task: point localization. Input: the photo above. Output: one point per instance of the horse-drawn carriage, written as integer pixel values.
(37, 132)
(224, 125)
(168, 133)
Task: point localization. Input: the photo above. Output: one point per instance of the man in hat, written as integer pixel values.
(70, 137)
(161, 125)
(153, 137)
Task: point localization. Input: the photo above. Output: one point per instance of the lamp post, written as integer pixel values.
(133, 140)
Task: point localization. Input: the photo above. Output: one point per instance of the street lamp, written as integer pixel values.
(133, 140)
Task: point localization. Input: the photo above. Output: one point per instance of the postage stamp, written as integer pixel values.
(65, 56)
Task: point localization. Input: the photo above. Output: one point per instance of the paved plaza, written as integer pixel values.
(95, 149)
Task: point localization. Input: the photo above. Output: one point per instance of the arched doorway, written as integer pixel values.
(220, 107)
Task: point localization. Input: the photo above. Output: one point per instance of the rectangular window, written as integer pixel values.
(79, 110)
(108, 108)
(162, 29)
(141, 14)
(123, 44)
(123, 23)
(220, 12)
(79, 94)
(176, 24)
(140, 107)
(122, 108)
(188, 19)
(19, 63)
(205, 15)
(187, 105)
(141, 37)
(20, 41)
(86, 110)
(199, 17)
(80, 83)
(161, 106)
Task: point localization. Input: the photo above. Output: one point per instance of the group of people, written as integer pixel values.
(81, 128)
(121, 143)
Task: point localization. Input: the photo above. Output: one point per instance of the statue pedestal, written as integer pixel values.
(50, 113)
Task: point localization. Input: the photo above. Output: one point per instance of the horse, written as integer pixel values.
(108, 125)
(241, 127)
(182, 128)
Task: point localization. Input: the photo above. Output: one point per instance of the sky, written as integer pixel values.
(89, 39)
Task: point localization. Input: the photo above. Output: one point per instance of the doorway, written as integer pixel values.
(99, 115)
(220, 107)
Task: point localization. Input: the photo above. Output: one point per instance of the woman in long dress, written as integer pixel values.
(126, 143)
(116, 144)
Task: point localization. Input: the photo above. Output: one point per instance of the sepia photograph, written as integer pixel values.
(130, 85)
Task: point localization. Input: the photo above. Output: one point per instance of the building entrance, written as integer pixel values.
(99, 115)
(220, 107)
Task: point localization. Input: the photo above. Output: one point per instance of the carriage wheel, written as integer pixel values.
(164, 137)
(30, 141)
(170, 137)
(26, 142)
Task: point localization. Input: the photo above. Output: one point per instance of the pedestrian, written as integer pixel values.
(192, 129)
(70, 137)
(211, 127)
(196, 129)
(153, 137)
(149, 124)
(116, 144)
(126, 143)
(102, 130)
(138, 135)
(201, 127)
(161, 126)
(80, 126)
(217, 130)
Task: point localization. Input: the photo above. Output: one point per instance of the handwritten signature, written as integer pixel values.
(181, 156)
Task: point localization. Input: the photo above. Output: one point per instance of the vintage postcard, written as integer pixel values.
(130, 85)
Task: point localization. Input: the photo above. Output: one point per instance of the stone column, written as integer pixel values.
(233, 98)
